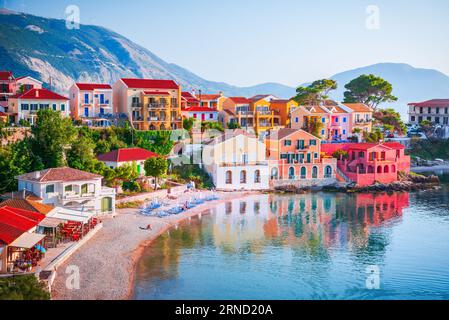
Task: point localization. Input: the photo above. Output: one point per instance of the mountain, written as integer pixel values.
(409, 84)
(45, 48)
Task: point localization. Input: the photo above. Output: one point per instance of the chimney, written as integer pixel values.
(37, 93)
(37, 174)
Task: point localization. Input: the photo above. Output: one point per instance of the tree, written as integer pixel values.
(51, 135)
(375, 136)
(314, 127)
(156, 167)
(427, 128)
(390, 120)
(340, 154)
(81, 156)
(233, 125)
(370, 90)
(187, 124)
(16, 159)
(25, 287)
(208, 125)
(316, 93)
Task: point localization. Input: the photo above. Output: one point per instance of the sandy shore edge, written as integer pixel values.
(106, 259)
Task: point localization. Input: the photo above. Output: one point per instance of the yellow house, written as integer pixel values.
(264, 117)
(283, 108)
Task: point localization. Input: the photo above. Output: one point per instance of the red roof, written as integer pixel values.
(58, 174)
(40, 94)
(199, 109)
(127, 155)
(208, 97)
(240, 100)
(6, 75)
(431, 103)
(150, 84)
(92, 86)
(2, 114)
(14, 222)
(329, 148)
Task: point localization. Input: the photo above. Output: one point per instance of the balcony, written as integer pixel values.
(245, 113)
(264, 112)
(157, 105)
(67, 196)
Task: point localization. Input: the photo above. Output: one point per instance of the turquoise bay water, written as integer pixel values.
(311, 246)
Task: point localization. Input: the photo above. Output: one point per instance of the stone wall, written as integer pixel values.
(303, 183)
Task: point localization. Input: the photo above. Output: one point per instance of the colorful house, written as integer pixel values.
(91, 100)
(339, 126)
(311, 117)
(24, 106)
(361, 116)
(212, 101)
(191, 108)
(237, 110)
(127, 156)
(368, 163)
(10, 86)
(295, 154)
(330, 121)
(236, 161)
(264, 117)
(283, 108)
(149, 103)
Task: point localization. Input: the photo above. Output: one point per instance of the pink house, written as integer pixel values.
(368, 163)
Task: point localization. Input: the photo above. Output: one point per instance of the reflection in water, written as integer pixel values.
(311, 246)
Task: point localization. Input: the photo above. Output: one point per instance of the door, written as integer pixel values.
(106, 204)
(203, 117)
(86, 112)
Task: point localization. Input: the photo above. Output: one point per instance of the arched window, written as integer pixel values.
(386, 169)
(152, 127)
(370, 169)
(291, 173)
(379, 169)
(393, 168)
(328, 172)
(228, 177)
(274, 174)
(303, 173)
(162, 127)
(257, 176)
(314, 172)
(243, 176)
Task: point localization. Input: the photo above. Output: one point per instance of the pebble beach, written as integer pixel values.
(107, 262)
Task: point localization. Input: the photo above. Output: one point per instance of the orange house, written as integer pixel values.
(283, 108)
(295, 154)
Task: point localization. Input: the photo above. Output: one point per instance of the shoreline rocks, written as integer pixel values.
(409, 182)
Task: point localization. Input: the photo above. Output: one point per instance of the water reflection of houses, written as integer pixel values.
(331, 219)
(241, 221)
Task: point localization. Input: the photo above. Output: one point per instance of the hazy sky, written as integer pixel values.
(246, 42)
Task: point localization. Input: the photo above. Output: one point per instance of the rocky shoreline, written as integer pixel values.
(408, 182)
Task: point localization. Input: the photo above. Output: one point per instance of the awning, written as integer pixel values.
(50, 223)
(27, 240)
(71, 215)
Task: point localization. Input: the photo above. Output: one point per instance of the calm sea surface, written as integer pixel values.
(312, 246)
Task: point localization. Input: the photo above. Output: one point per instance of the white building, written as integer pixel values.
(236, 161)
(91, 100)
(24, 106)
(69, 188)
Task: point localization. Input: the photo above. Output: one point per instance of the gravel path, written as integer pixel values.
(106, 263)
